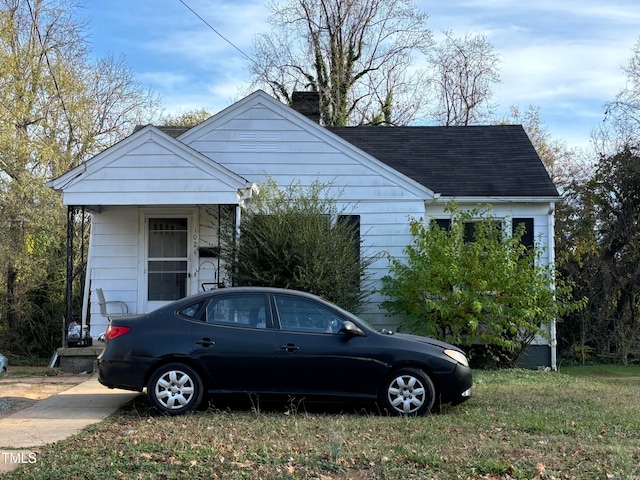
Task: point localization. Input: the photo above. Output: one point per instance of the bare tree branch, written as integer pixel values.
(342, 49)
(464, 72)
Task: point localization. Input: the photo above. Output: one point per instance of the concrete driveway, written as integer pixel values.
(55, 418)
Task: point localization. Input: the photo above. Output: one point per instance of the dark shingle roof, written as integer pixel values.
(174, 132)
(496, 160)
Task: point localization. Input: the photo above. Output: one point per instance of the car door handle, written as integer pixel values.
(290, 347)
(206, 342)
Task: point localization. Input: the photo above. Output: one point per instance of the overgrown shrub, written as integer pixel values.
(298, 237)
(490, 291)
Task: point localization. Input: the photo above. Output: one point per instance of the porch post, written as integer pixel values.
(69, 287)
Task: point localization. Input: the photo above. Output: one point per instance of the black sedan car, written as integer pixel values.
(276, 341)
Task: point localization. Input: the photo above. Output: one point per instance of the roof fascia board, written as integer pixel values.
(491, 199)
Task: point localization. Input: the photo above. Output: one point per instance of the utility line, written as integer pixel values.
(217, 32)
(53, 75)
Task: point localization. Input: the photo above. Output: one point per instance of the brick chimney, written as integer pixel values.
(308, 104)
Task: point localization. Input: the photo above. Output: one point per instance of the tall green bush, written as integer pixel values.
(298, 237)
(491, 290)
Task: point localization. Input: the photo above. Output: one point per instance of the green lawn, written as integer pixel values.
(580, 423)
(602, 370)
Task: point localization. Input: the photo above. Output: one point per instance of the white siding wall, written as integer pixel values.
(261, 143)
(116, 253)
(384, 228)
(113, 261)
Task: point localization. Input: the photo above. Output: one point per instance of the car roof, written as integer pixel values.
(255, 289)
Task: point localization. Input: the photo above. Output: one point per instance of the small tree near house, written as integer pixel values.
(473, 284)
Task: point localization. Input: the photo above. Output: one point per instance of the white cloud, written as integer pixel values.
(564, 57)
(219, 29)
(165, 80)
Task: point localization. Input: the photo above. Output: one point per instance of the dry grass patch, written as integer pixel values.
(520, 424)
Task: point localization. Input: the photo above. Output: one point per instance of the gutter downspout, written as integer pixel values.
(552, 254)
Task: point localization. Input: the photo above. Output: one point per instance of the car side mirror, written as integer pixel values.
(350, 328)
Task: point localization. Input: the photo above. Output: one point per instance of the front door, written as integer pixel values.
(168, 260)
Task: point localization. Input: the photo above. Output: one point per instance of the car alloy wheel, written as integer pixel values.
(408, 391)
(175, 389)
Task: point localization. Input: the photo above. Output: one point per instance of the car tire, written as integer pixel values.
(408, 392)
(174, 389)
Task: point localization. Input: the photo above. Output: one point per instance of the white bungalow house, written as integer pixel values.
(158, 197)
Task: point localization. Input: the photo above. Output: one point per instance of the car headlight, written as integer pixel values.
(459, 357)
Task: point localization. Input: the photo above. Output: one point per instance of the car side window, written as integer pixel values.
(243, 310)
(193, 311)
(303, 315)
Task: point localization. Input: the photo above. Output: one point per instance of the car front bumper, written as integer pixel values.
(456, 387)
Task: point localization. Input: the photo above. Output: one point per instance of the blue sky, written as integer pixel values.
(563, 56)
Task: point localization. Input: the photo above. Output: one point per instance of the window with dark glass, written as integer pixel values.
(444, 223)
(469, 227)
(527, 238)
(353, 222)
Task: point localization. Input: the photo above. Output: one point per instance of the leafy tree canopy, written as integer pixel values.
(189, 118)
(57, 109)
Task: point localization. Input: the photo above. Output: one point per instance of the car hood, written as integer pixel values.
(427, 340)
